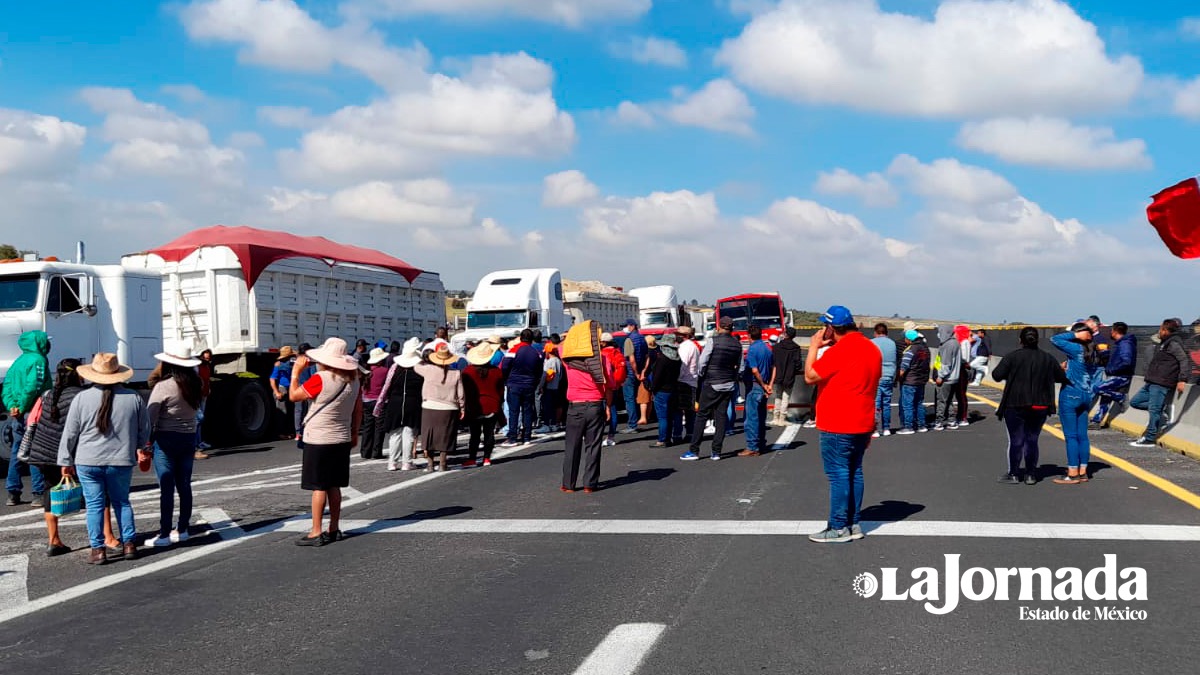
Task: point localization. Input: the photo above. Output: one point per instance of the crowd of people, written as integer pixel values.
(396, 401)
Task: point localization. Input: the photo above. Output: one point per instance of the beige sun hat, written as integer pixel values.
(481, 354)
(177, 353)
(333, 355)
(377, 356)
(410, 353)
(494, 340)
(105, 369)
(442, 356)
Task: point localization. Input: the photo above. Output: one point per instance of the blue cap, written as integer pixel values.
(838, 316)
(630, 322)
(381, 344)
(911, 335)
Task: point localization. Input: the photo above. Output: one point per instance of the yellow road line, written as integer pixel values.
(1180, 493)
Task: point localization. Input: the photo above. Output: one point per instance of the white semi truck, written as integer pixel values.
(659, 310)
(202, 300)
(509, 301)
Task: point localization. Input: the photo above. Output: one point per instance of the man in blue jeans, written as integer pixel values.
(27, 379)
(848, 374)
(883, 396)
(760, 366)
(636, 353)
(1167, 373)
(523, 370)
(913, 374)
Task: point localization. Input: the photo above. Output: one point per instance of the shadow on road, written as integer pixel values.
(890, 511)
(637, 476)
(1052, 470)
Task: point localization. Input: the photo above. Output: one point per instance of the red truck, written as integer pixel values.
(765, 310)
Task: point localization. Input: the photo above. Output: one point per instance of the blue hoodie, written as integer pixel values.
(1122, 359)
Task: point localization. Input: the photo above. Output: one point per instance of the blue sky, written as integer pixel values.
(985, 159)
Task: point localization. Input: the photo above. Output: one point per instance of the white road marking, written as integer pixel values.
(14, 580)
(230, 536)
(349, 493)
(785, 439)
(623, 650)
(908, 528)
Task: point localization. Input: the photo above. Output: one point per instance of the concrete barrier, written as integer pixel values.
(1182, 435)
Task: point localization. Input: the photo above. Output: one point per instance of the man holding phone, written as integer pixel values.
(848, 373)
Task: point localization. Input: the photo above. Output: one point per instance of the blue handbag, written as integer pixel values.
(66, 497)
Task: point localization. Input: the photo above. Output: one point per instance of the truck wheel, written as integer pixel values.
(251, 410)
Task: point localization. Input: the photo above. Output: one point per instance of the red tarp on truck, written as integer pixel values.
(256, 249)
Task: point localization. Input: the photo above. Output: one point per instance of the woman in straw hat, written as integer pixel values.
(173, 408)
(483, 386)
(105, 428)
(442, 405)
(330, 431)
(378, 363)
(399, 406)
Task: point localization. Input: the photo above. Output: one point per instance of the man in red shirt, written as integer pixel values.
(848, 373)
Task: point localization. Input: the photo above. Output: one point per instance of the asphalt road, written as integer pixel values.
(496, 571)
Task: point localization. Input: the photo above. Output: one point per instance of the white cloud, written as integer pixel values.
(976, 57)
(493, 110)
(573, 13)
(568, 188)
(1055, 143)
(188, 93)
(279, 34)
(651, 50)
(874, 189)
(825, 233)
(288, 117)
(148, 139)
(424, 203)
(718, 106)
(1187, 100)
(948, 180)
(1190, 27)
(246, 139)
(631, 114)
(619, 221)
(34, 145)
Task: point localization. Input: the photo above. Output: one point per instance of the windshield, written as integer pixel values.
(764, 312)
(18, 293)
(657, 320)
(491, 320)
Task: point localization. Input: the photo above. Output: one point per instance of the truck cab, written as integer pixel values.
(659, 310)
(509, 301)
(84, 309)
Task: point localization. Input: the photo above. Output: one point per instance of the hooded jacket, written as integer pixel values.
(915, 364)
(1122, 357)
(29, 375)
(787, 364)
(950, 354)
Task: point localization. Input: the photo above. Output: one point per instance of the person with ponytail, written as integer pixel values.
(1075, 399)
(44, 435)
(173, 408)
(107, 426)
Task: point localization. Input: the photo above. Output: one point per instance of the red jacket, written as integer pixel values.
(483, 388)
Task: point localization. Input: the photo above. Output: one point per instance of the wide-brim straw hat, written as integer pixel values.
(178, 354)
(442, 357)
(481, 354)
(377, 356)
(410, 353)
(496, 339)
(105, 369)
(333, 354)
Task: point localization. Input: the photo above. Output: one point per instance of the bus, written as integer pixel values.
(765, 310)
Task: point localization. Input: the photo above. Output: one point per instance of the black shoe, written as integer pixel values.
(331, 537)
(14, 499)
(318, 540)
(1031, 478)
(57, 550)
(1009, 479)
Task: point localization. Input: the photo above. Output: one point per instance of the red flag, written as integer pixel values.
(1175, 213)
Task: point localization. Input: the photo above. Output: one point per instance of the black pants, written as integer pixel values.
(1024, 428)
(685, 402)
(713, 405)
(482, 429)
(585, 433)
(371, 434)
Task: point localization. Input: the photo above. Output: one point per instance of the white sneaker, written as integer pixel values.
(810, 424)
(875, 435)
(406, 467)
(160, 542)
(177, 536)
(905, 432)
(391, 466)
